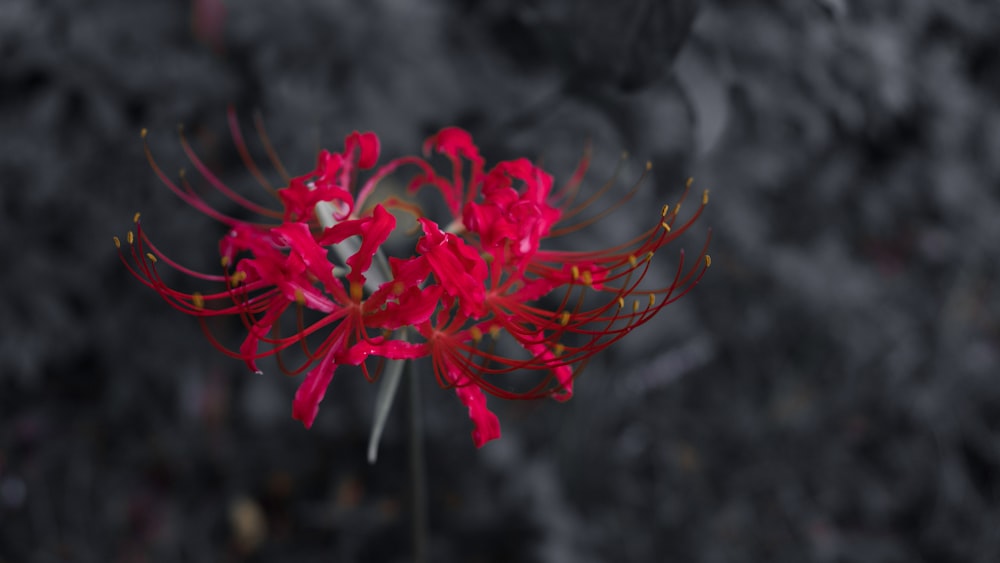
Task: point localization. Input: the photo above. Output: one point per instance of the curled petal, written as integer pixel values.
(374, 232)
(368, 146)
(248, 350)
(388, 349)
(311, 391)
(314, 257)
(486, 424)
(412, 306)
(301, 196)
(410, 271)
(453, 142)
(457, 266)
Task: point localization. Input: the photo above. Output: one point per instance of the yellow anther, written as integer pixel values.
(564, 318)
(398, 288)
(677, 208)
(708, 261)
(238, 277)
(635, 306)
(226, 261)
(476, 334)
(357, 291)
(130, 237)
(118, 242)
(632, 260)
(576, 272)
(704, 198)
(198, 301)
(665, 226)
(621, 303)
(649, 255)
(151, 257)
(300, 297)
(588, 278)
(664, 210)
(135, 218)
(649, 165)
(687, 184)
(494, 331)
(558, 349)
(652, 299)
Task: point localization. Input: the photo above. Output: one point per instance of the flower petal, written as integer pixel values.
(487, 425)
(457, 266)
(369, 148)
(311, 391)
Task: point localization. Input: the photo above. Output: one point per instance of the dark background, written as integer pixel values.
(828, 393)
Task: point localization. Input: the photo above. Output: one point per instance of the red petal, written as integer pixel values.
(453, 142)
(369, 148)
(305, 407)
(457, 267)
(487, 425)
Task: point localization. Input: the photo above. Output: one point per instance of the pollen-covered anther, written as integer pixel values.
(665, 226)
(130, 237)
(632, 260)
(575, 271)
(143, 132)
(226, 261)
(664, 210)
(558, 349)
(198, 301)
(399, 287)
(152, 257)
(649, 165)
(688, 182)
(588, 278)
(652, 299)
(621, 302)
(476, 334)
(635, 306)
(495, 331)
(357, 291)
(118, 242)
(704, 198)
(237, 278)
(708, 261)
(564, 318)
(135, 218)
(300, 298)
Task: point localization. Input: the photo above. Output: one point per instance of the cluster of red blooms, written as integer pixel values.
(487, 275)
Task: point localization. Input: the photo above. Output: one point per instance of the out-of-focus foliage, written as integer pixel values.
(827, 394)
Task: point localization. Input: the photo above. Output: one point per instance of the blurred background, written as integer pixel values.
(828, 393)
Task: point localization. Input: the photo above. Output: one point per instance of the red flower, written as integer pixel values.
(473, 292)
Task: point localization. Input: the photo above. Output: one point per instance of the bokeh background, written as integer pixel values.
(828, 393)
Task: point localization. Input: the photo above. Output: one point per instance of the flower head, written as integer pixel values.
(485, 297)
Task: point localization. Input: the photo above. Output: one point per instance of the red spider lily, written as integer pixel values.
(474, 292)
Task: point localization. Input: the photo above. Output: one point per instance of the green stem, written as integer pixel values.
(418, 470)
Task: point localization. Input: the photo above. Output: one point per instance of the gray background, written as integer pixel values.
(828, 393)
